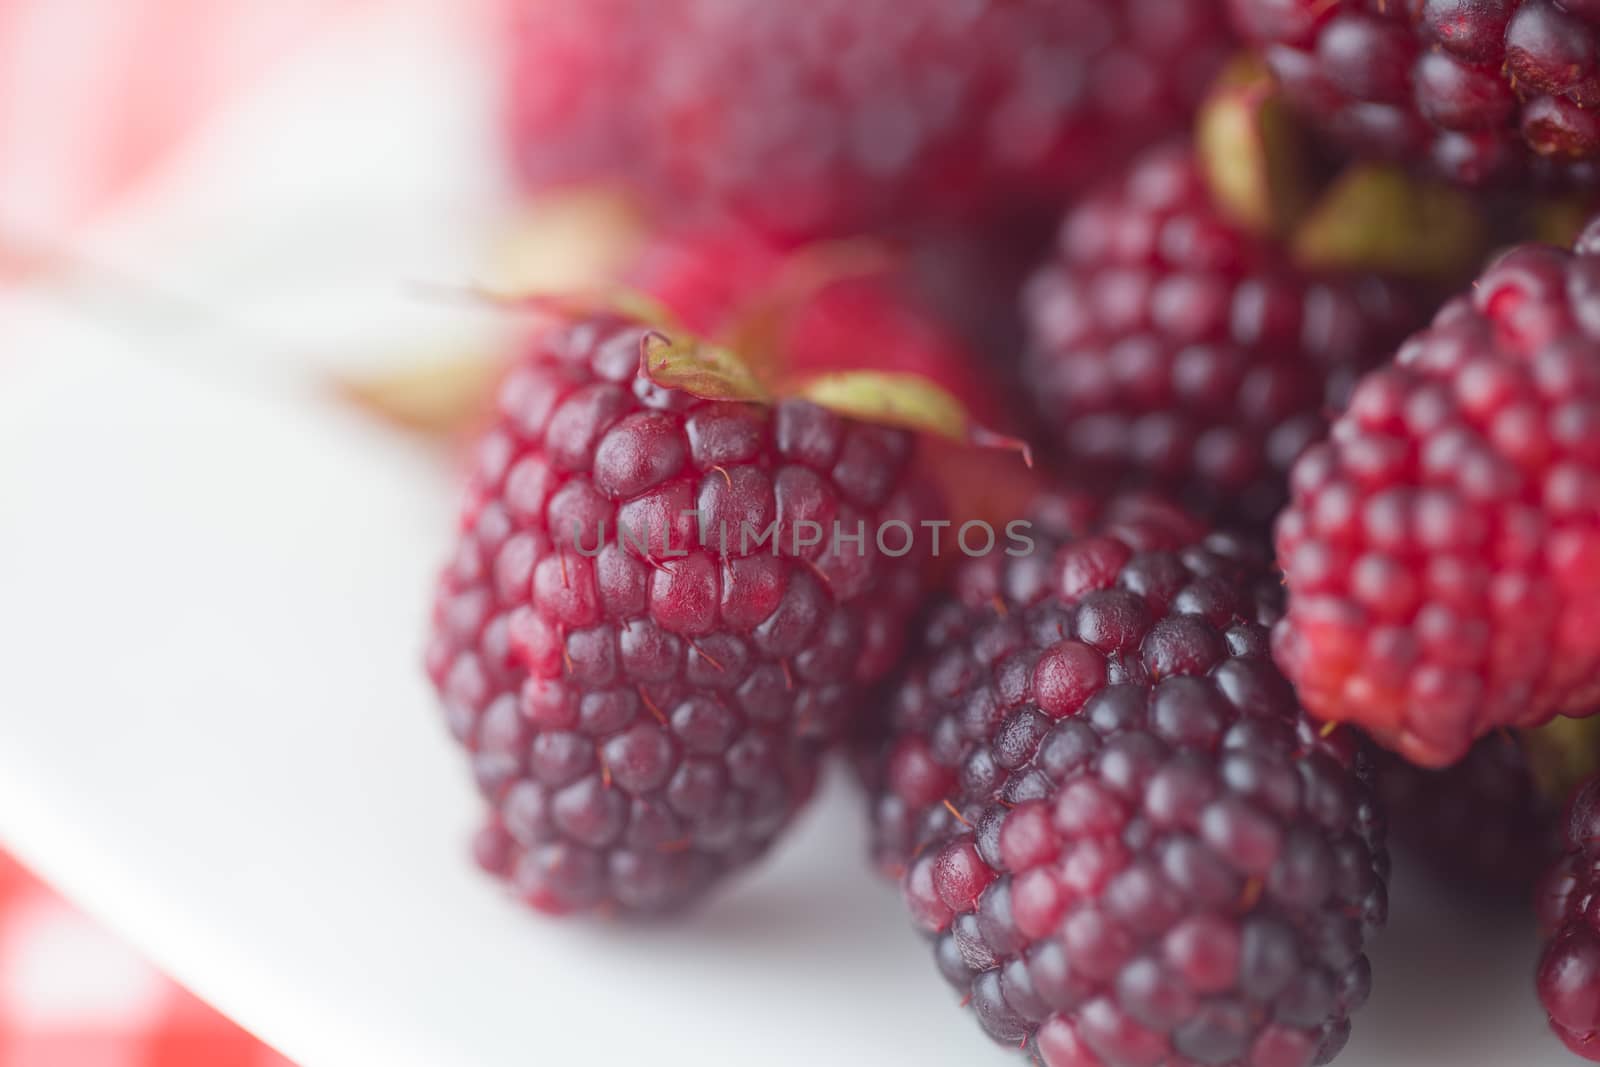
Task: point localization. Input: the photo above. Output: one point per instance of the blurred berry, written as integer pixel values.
(841, 115)
(1483, 825)
(1127, 843)
(1168, 343)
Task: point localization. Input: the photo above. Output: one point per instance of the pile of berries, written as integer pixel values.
(1275, 522)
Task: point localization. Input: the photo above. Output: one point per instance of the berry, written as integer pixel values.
(1483, 825)
(1569, 972)
(645, 692)
(1167, 341)
(1475, 90)
(838, 115)
(1127, 843)
(1442, 548)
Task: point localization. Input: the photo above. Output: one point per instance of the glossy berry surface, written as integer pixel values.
(1569, 972)
(645, 711)
(1442, 548)
(1167, 342)
(1476, 90)
(838, 115)
(908, 777)
(1128, 845)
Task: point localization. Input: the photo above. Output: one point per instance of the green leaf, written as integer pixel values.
(1251, 150)
(1378, 218)
(708, 371)
(908, 401)
(1561, 754)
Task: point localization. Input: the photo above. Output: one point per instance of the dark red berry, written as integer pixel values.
(645, 692)
(1442, 548)
(1483, 825)
(1569, 972)
(1167, 341)
(836, 115)
(1144, 852)
(1478, 90)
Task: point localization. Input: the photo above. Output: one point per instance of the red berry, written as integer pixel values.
(835, 115)
(837, 311)
(645, 708)
(1477, 90)
(1159, 859)
(1168, 342)
(1442, 548)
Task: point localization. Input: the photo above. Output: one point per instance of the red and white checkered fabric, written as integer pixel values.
(72, 995)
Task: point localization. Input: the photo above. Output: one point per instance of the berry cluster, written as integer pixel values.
(1126, 840)
(1121, 764)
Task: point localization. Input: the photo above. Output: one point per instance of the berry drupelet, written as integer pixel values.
(1569, 912)
(1475, 90)
(1442, 548)
(1128, 844)
(839, 115)
(645, 701)
(1167, 341)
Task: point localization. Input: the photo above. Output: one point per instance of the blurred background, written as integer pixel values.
(256, 192)
(206, 163)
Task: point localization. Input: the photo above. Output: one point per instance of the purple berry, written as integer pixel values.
(1127, 842)
(645, 704)
(1168, 343)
